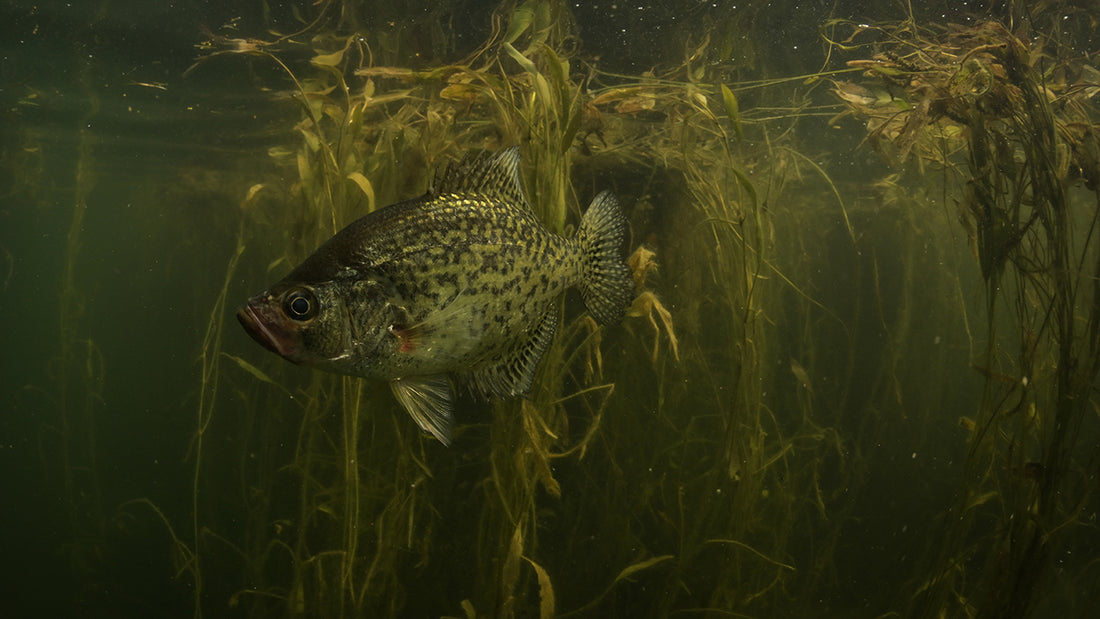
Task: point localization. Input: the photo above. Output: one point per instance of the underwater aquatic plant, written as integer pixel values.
(1006, 116)
(726, 451)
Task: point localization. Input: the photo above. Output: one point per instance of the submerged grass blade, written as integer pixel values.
(546, 591)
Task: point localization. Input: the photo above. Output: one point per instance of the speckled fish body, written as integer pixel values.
(462, 281)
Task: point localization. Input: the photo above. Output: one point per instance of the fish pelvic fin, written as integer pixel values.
(428, 399)
(606, 285)
(513, 372)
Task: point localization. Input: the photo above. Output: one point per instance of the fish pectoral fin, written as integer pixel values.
(428, 399)
(443, 320)
(513, 372)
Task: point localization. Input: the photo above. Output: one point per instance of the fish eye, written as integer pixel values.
(300, 305)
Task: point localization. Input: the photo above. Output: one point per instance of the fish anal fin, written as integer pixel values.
(429, 401)
(512, 373)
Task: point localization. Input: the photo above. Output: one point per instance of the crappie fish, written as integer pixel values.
(461, 281)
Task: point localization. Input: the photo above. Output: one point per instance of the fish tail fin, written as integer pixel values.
(607, 285)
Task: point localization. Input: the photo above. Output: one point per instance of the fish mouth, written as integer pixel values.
(255, 324)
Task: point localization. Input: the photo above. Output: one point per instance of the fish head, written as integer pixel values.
(305, 324)
(336, 326)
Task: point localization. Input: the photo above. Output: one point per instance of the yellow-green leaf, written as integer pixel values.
(801, 375)
(571, 129)
(329, 60)
(637, 567)
(311, 139)
(251, 369)
(305, 168)
(733, 110)
(546, 591)
(521, 21)
(366, 186)
(279, 152)
(746, 184)
(523, 61)
(542, 87)
(756, 552)
(251, 195)
(559, 73)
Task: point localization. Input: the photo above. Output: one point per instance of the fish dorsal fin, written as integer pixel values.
(512, 373)
(428, 399)
(493, 175)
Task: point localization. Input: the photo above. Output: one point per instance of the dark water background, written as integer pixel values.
(99, 124)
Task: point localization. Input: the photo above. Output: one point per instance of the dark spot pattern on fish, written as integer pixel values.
(462, 281)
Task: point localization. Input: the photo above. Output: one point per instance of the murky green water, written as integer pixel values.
(861, 380)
